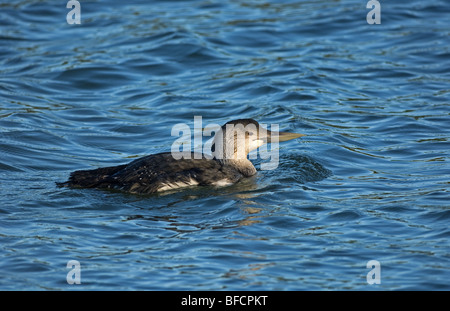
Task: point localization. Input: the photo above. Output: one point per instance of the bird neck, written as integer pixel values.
(244, 166)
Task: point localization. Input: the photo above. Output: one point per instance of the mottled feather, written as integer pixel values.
(155, 173)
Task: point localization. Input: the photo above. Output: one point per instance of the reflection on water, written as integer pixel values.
(242, 192)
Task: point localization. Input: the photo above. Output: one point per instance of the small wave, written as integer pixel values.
(300, 168)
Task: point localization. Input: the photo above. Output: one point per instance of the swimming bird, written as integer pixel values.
(227, 164)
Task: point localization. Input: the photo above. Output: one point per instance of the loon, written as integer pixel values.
(160, 172)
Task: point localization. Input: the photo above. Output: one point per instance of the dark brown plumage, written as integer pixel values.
(154, 172)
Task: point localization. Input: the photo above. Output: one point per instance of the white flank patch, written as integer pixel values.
(222, 183)
(178, 184)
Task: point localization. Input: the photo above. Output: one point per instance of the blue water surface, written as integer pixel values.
(370, 181)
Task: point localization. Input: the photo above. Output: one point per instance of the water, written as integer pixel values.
(369, 182)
